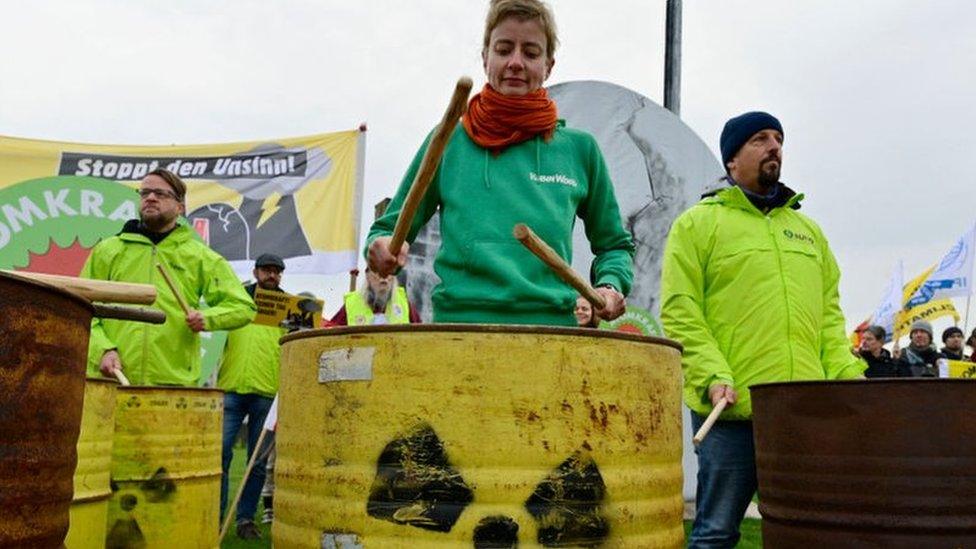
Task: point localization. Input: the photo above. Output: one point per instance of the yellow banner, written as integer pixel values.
(929, 312)
(299, 198)
(960, 369)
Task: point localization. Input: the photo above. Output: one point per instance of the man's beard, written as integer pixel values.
(768, 177)
(378, 300)
(155, 222)
(268, 285)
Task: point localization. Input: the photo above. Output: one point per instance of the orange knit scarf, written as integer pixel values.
(495, 121)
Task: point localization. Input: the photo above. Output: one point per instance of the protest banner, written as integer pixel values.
(297, 197)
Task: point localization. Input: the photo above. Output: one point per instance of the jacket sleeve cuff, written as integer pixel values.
(610, 280)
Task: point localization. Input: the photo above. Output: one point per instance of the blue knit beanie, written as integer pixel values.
(738, 130)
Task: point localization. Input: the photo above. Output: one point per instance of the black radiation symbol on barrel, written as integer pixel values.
(416, 485)
(126, 533)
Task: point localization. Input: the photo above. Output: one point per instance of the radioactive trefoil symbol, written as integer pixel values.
(417, 486)
(126, 533)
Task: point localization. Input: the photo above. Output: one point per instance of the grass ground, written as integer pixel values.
(751, 534)
(230, 540)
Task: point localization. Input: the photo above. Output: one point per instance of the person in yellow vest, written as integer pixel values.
(380, 301)
(248, 376)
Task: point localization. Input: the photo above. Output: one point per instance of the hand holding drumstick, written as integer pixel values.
(721, 396)
(607, 302)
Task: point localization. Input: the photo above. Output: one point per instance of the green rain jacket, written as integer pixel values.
(753, 298)
(165, 354)
(252, 359)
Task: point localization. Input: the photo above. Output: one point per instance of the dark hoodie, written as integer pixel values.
(953, 355)
(883, 365)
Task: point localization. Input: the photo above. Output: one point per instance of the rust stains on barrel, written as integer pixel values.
(880, 463)
(43, 352)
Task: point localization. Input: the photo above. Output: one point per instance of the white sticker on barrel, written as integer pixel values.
(332, 540)
(351, 364)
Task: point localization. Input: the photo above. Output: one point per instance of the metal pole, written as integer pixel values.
(672, 58)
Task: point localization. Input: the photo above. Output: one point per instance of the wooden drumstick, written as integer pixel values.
(432, 159)
(542, 250)
(151, 316)
(123, 381)
(172, 287)
(710, 420)
(95, 290)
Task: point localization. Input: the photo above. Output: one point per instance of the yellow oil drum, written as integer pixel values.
(165, 473)
(89, 508)
(483, 436)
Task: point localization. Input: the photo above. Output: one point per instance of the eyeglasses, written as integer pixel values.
(161, 193)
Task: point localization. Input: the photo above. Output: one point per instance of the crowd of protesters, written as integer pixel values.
(920, 358)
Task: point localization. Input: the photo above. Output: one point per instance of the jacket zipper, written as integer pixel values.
(786, 296)
(145, 328)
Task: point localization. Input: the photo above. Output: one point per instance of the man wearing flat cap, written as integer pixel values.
(248, 376)
(749, 288)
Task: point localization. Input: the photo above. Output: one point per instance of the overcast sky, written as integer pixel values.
(875, 96)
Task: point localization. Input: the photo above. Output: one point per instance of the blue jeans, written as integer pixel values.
(255, 409)
(726, 482)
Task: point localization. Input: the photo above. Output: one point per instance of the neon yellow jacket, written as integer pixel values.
(165, 354)
(753, 298)
(252, 359)
(358, 313)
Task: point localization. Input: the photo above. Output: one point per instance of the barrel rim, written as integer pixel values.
(482, 328)
(147, 388)
(44, 285)
(842, 382)
(102, 380)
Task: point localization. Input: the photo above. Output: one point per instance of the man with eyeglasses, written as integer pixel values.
(166, 354)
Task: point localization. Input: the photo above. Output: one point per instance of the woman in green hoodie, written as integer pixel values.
(513, 161)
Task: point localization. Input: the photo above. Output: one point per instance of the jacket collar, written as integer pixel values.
(726, 192)
(181, 234)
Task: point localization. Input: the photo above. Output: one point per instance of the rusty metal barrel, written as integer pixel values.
(484, 436)
(165, 472)
(89, 507)
(873, 463)
(43, 352)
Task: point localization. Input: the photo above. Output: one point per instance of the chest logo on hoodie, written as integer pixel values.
(552, 178)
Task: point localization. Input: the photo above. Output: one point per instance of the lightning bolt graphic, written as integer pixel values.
(269, 207)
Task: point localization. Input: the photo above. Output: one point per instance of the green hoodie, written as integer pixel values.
(165, 354)
(752, 298)
(487, 276)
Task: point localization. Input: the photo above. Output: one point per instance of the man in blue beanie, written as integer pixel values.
(749, 288)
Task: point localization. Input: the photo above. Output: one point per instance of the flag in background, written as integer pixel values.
(891, 303)
(858, 334)
(930, 310)
(951, 277)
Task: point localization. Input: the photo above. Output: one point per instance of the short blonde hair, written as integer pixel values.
(523, 10)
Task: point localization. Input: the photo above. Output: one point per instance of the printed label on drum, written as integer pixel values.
(332, 540)
(351, 364)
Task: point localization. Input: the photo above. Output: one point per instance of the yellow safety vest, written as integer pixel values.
(358, 313)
